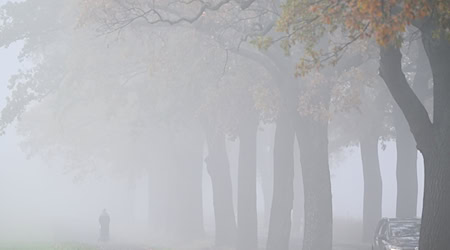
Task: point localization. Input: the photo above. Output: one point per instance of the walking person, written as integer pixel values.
(104, 226)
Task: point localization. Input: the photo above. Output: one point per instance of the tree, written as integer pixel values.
(160, 13)
(407, 184)
(362, 118)
(88, 105)
(386, 21)
(171, 98)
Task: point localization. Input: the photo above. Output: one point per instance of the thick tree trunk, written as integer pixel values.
(407, 183)
(407, 186)
(247, 223)
(372, 204)
(219, 170)
(312, 136)
(433, 139)
(435, 228)
(283, 182)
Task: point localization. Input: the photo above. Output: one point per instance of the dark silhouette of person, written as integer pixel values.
(104, 225)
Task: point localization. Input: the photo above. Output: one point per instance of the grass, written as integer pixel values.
(347, 229)
(44, 246)
(73, 246)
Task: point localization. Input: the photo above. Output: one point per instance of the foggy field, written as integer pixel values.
(74, 246)
(224, 124)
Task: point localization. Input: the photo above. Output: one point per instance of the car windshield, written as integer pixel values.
(404, 229)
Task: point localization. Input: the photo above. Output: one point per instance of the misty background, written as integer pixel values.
(41, 200)
(239, 124)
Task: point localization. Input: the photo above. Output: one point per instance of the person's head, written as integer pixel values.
(104, 210)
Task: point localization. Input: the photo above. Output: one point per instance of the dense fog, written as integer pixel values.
(278, 125)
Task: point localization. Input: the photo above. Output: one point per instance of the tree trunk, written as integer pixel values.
(372, 205)
(265, 165)
(247, 229)
(312, 136)
(298, 212)
(219, 170)
(433, 139)
(407, 186)
(435, 229)
(283, 184)
(407, 183)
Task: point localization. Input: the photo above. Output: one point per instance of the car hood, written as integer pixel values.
(405, 241)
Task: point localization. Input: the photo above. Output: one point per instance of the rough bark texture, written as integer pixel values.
(435, 228)
(283, 182)
(433, 139)
(373, 189)
(247, 223)
(312, 136)
(219, 170)
(407, 186)
(413, 110)
(407, 183)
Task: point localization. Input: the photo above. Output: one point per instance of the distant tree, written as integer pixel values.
(364, 121)
(157, 93)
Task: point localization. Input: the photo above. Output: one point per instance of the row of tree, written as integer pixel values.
(117, 80)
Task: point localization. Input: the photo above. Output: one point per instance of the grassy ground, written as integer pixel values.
(74, 246)
(346, 230)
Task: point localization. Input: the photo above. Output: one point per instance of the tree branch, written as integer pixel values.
(413, 109)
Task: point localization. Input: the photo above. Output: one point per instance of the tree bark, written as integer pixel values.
(247, 223)
(435, 229)
(412, 108)
(407, 183)
(433, 139)
(312, 136)
(219, 170)
(407, 186)
(283, 184)
(372, 204)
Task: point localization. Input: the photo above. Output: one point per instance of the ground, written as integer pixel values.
(78, 246)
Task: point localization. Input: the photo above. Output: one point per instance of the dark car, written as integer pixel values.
(397, 234)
